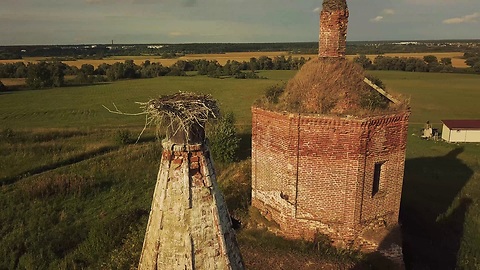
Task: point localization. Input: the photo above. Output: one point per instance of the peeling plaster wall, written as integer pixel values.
(189, 226)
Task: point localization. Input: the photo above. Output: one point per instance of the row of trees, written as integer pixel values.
(52, 74)
(429, 63)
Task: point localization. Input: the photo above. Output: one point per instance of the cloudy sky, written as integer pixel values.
(180, 21)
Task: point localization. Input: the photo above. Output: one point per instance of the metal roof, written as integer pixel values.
(462, 124)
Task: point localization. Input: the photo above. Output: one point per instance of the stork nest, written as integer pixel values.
(331, 5)
(180, 111)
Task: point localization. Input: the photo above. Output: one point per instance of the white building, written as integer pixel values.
(461, 130)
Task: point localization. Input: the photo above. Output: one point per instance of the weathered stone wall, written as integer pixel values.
(315, 173)
(189, 226)
(333, 33)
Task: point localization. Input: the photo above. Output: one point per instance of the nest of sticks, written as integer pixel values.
(331, 5)
(180, 112)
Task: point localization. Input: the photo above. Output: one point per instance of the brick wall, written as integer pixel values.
(333, 33)
(315, 173)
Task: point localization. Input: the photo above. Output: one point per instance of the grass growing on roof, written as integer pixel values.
(330, 86)
(331, 5)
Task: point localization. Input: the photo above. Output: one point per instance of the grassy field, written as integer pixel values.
(457, 60)
(435, 96)
(72, 196)
(82, 106)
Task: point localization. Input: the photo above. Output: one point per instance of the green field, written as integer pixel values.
(73, 197)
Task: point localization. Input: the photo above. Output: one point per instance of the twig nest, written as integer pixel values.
(183, 115)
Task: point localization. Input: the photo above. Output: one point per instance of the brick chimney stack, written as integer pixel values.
(333, 29)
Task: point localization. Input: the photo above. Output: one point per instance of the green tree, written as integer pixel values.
(131, 70)
(430, 59)
(20, 70)
(224, 143)
(57, 70)
(472, 60)
(116, 71)
(102, 69)
(265, 63)
(253, 64)
(87, 69)
(476, 67)
(39, 75)
(446, 61)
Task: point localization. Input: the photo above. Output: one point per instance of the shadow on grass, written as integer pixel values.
(432, 220)
(81, 157)
(76, 84)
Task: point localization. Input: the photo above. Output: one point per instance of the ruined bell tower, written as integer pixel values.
(189, 226)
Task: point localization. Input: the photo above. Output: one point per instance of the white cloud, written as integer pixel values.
(317, 9)
(433, 2)
(385, 13)
(377, 19)
(472, 18)
(388, 11)
(178, 34)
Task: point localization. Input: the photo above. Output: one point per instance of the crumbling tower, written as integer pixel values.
(329, 156)
(333, 29)
(189, 226)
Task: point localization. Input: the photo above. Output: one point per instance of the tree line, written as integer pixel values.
(52, 74)
(429, 63)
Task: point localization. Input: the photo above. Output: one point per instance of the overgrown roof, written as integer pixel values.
(331, 5)
(333, 87)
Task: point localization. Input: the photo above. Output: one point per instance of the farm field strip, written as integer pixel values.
(457, 60)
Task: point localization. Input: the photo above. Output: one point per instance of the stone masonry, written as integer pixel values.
(189, 226)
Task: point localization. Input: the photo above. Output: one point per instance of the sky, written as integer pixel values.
(55, 22)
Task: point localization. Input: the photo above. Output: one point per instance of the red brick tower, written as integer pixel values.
(336, 170)
(333, 29)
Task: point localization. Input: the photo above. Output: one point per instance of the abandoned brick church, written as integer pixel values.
(327, 165)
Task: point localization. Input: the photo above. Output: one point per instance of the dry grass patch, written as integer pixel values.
(330, 86)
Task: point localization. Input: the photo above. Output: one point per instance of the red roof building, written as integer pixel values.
(461, 130)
